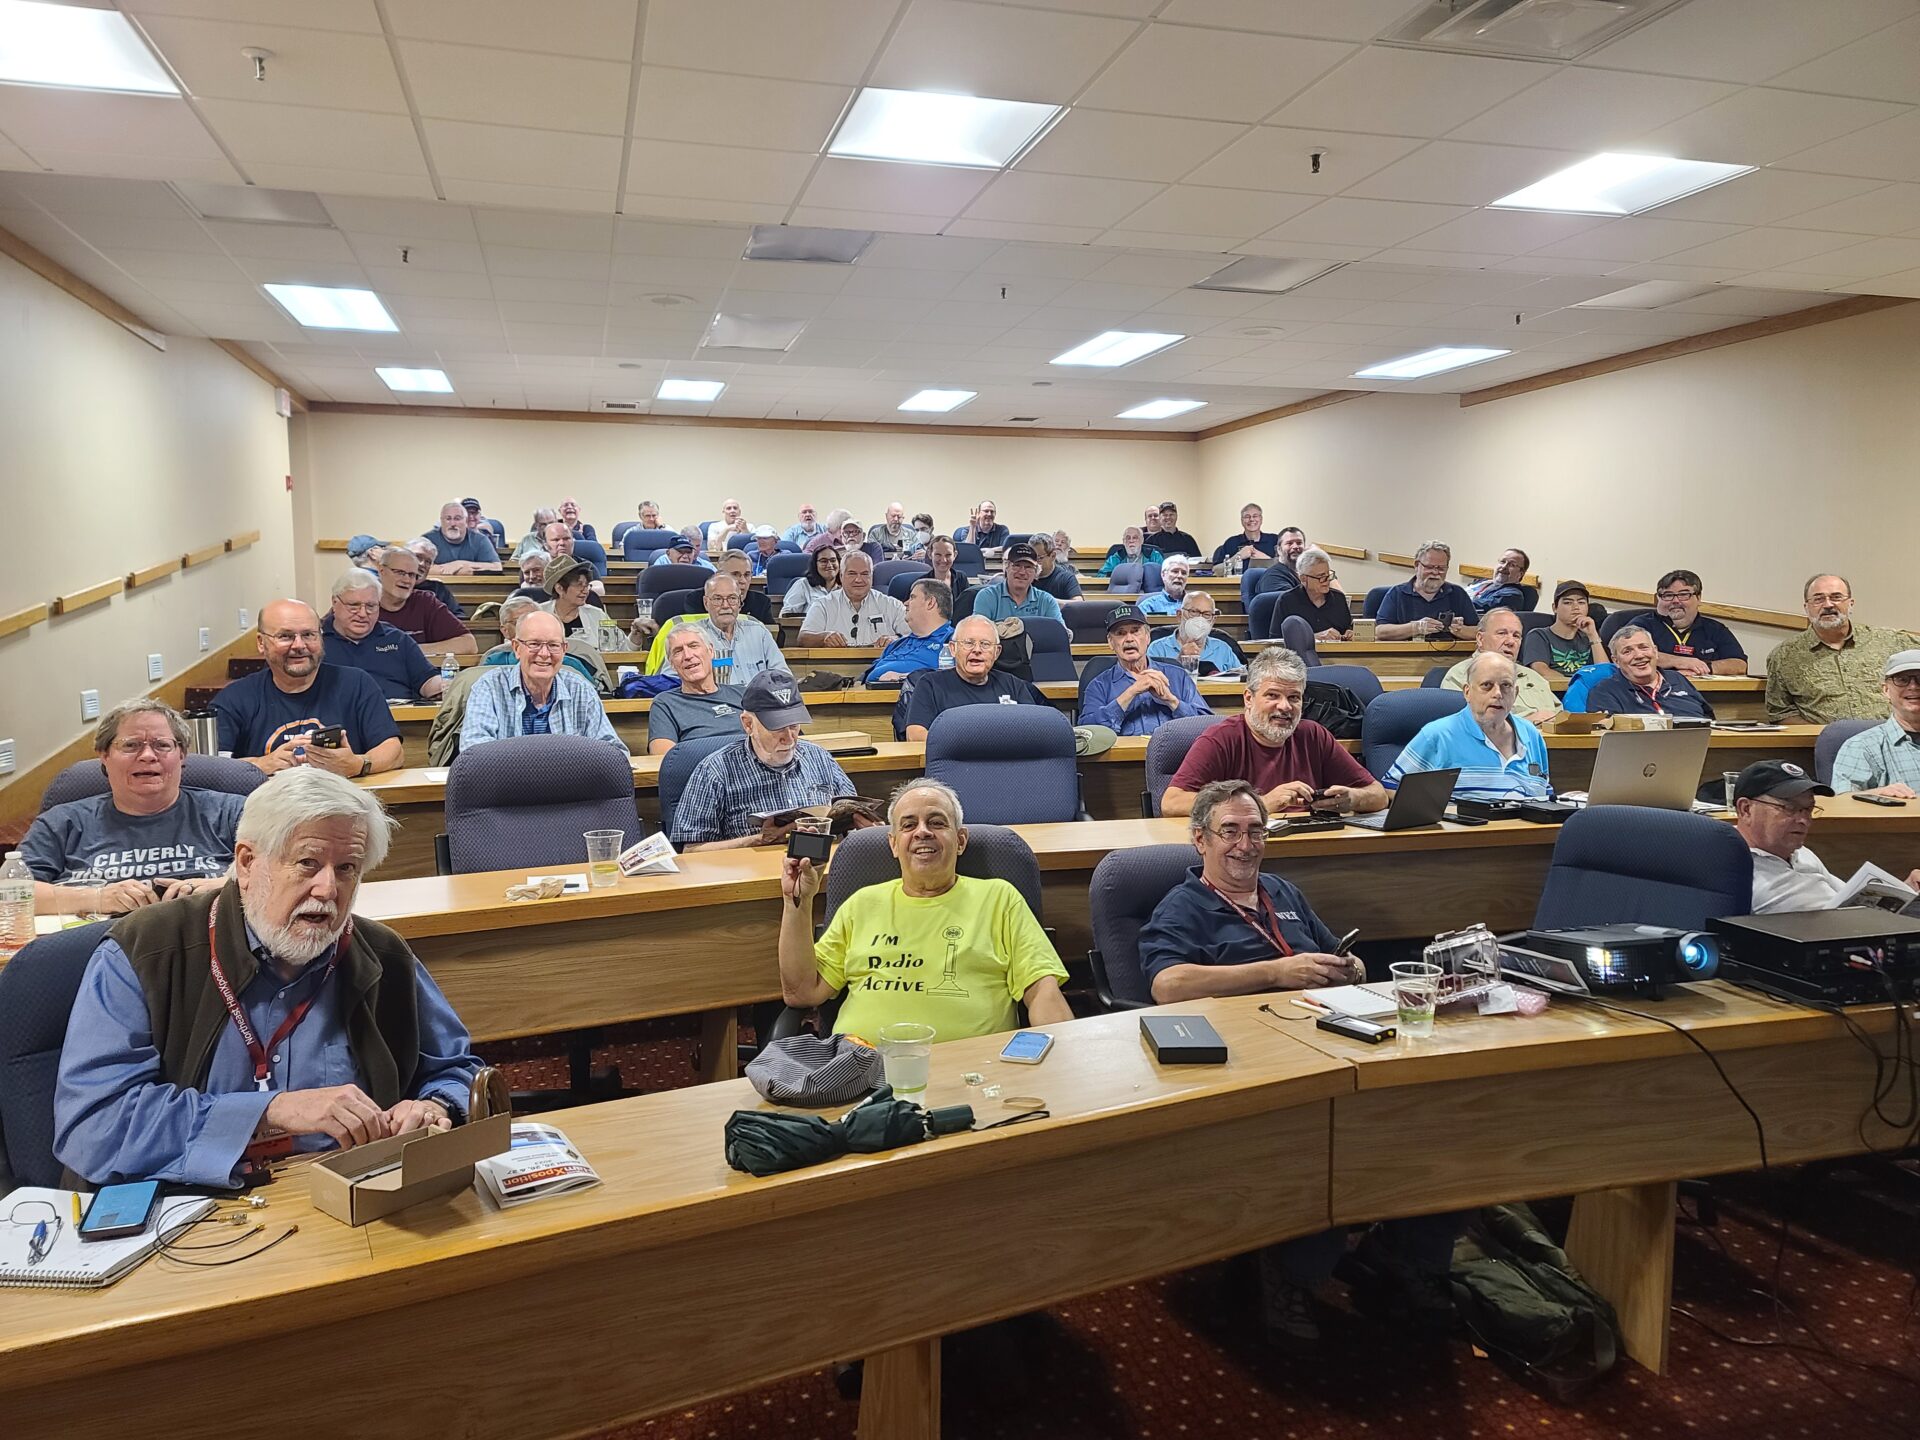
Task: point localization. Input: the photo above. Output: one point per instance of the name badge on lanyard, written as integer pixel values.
(256, 1052)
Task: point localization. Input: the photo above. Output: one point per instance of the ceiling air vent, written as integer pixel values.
(1530, 29)
(1023, 419)
(623, 406)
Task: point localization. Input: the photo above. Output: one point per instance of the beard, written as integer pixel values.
(1271, 732)
(308, 934)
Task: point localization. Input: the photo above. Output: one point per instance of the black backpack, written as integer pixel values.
(1335, 707)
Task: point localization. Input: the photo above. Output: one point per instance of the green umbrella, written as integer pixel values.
(765, 1142)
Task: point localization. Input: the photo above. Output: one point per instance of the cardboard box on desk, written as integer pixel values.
(412, 1168)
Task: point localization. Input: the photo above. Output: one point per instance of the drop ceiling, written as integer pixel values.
(553, 199)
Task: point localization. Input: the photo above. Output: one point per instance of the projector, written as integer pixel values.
(1617, 959)
(1856, 956)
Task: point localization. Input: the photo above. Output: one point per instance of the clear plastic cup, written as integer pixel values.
(906, 1047)
(1416, 990)
(1730, 778)
(603, 857)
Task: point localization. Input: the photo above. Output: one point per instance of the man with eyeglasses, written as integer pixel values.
(972, 681)
(1317, 599)
(405, 606)
(855, 614)
(147, 838)
(1692, 643)
(1193, 638)
(537, 696)
(302, 711)
(1773, 807)
(1886, 759)
(359, 639)
(1428, 604)
(1505, 589)
(460, 549)
(1834, 670)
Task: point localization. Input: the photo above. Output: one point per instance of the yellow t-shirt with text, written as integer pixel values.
(959, 962)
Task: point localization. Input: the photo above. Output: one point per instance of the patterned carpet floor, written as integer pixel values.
(1183, 1355)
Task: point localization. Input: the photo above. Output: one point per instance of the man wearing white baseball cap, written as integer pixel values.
(1886, 759)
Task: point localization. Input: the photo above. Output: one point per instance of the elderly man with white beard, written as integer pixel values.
(242, 1024)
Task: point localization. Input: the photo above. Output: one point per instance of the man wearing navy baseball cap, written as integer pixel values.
(1773, 805)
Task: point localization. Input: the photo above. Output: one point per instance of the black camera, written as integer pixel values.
(814, 845)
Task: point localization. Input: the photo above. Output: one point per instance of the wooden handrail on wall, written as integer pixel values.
(203, 555)
(92, 595)
(152, 575)
(1344, 552)
(22, 619)
(241, 542)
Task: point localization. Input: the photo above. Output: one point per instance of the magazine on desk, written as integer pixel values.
(540, 1162)
(1871, 885)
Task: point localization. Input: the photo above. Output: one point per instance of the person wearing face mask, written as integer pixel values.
(1499, 755)
(1832, 671)
(1193, 638)
(1773, 808)
(1288, 759)
(1136, 695)
(770, 771)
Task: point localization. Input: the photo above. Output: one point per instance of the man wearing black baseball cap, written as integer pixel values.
(1571, 642)
(1773, 804)
(770, 772)
(1015, 594)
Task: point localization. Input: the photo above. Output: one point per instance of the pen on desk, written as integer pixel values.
(39, 1244)
(76, 1207)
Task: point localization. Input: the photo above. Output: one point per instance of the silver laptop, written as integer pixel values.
(1657, 768)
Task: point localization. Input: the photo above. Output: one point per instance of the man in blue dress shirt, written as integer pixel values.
(262, 1018)
(1138, 695)
(1427, 604)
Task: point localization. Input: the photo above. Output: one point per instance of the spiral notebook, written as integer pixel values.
(73, 1263)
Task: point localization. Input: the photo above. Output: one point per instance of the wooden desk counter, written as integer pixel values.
(1139, 1170)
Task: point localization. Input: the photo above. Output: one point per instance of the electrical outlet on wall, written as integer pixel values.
(89, 704)
(156, 668)
(6, 757)
(206, 639)
(246, 619)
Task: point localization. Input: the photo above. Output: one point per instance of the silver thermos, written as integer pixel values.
(205, 726)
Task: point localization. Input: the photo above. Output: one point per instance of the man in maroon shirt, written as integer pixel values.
(1287, 759)
(429, 622)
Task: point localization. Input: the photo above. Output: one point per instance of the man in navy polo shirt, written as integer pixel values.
(359, 639)
(1414, 609)
(460, 549)
(1642, 687)
(1688, 641)
(269, 718)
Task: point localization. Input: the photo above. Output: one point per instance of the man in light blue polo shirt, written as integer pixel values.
(1014, 594)
(1499, 755)
(1172, 594)
(1886, 759)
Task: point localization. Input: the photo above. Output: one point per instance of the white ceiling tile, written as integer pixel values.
(1638, 239)
(1887, 151)
(571, 199)
(418, 222)
(1696, 274)
(356, 15)
(398, 280)
(314, 177)
(1116, 146)
(1883, 66)
(411, 308)
(1764, 197)
(559, 290)
(426, 255)
(500, 155)
(885, 185)
(1063, 200)
(800, 277)
(548, 264)
(672, 207)
(1745, 40)
(1270, 157)
(889, 284)
(1342, 221)
(544, 232)
(1409, 92)
(736, 109)
(1168, 270)
(1763, 248)
(309, 67)
(1864, 261)
(827, 40)
(1212, 210)
(508, 87)
(12, 157)
(1211, 74)
(1307, 250)
(715, 172)
(72, 197)
(1435, 259)
(330, 139)
(1515, 232)
(1454, 172)
(596, 29)
(272, 270)
(1582, 109)
(43, 120)
(1883, 210)
(1347, 20)
(281, 242)
(175, 265)
(211, 170)
(1905, 283)
(1758, 126)
(141, 232)
(691, 242)
(1010, 54)
(548, 312)
(1049, 260)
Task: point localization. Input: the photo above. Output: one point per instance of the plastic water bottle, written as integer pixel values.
(449, 667)
(946, 657)
(16, 903)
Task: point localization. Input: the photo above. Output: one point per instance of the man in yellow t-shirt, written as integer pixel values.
(934, 946)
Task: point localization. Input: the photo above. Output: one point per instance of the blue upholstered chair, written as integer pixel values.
(525, 801)
(1826, 748)
(638, 544)
(1166, 748)
(1371, 607)
(1358, 678)
(1127, 886)
(657, 580)
(1052, 651)
(84, 778)
(37, 990)
(887, 571)
(1010, 764)
(1394, 719)
(1631, 864)
(677, 767)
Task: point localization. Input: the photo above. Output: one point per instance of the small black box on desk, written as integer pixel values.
(1183, 1040)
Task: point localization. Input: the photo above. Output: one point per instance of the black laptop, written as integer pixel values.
(1421, 800)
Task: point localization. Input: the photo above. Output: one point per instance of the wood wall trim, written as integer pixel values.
(1777, 619)
(152, 575)
(241, 542)
(1691, 345)
(22, 619)
(1405, 562)
(1298, 407)
(63, 279)
(1345, 552)
(339, 546)
(1485, 572)
(239, 353)
(78, 600)
(854, 427)
(203, 554)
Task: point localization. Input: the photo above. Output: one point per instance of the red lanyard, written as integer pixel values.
(1653, 698)
(258, 1053)
(1266, 920)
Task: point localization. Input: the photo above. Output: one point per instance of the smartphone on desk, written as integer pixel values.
(1888, 800)
(1028, 1047)
(118, 1210)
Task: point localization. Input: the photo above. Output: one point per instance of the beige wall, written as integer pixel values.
(389, 476)
(1755, 465)
(115, 456)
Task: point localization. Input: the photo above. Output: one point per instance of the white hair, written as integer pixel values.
(939, 787)
(353, 581)
(1312, 555)
(1625, 633)
(303, 795)
(1176, 562)
(1473, 665)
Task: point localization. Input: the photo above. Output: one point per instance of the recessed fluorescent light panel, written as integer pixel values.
(1117, 347)
(928, 129)
(1429, 362)
(76, 49)
(752, 332)
(1254, 275)
(1648, 295)
(816, 243)
(428, 382)
(253, 204)
(324, 307)
(700, 392)
(1614, 184)
(1161, 409)
(938, 401)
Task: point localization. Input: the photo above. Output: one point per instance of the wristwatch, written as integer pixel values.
(366, 766)
(454, 1113)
